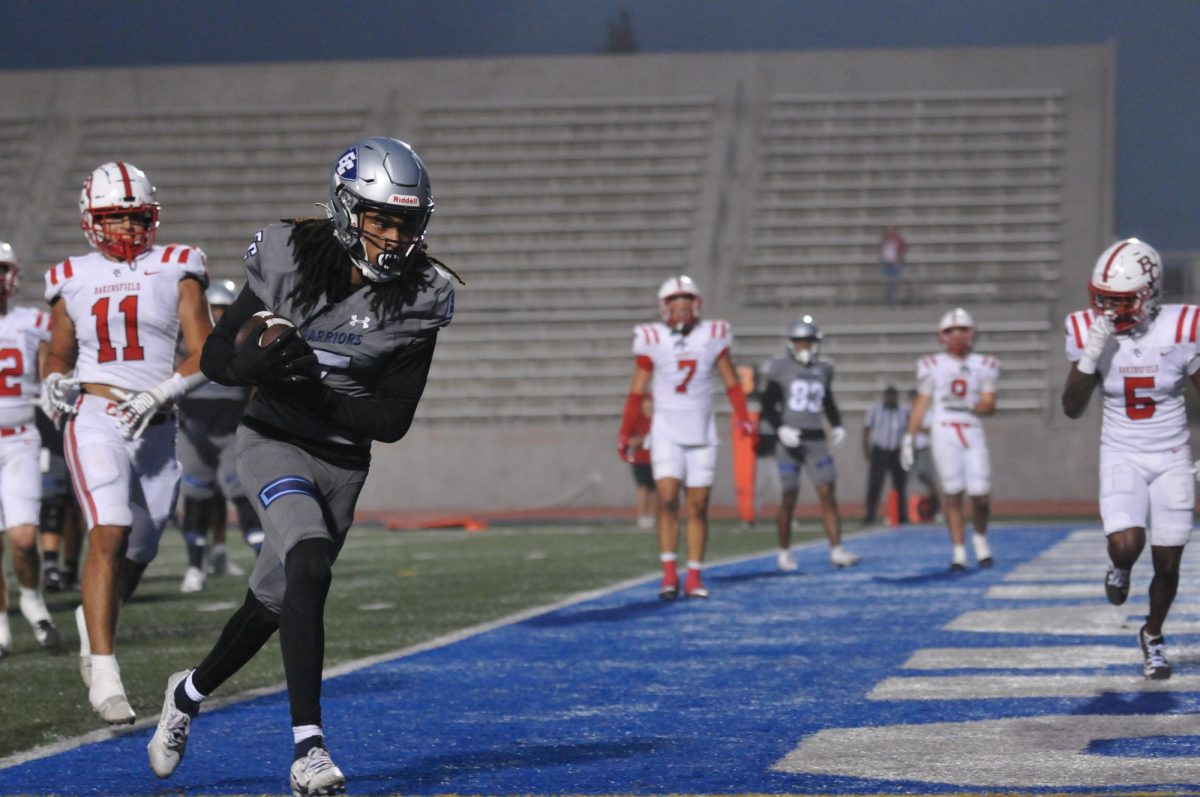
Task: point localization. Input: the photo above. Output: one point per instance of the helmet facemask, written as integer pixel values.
(1127, 311)
(958, 341)
(805, 355)
(680, 316)
(392, 256)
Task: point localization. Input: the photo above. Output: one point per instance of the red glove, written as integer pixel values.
(630, 416)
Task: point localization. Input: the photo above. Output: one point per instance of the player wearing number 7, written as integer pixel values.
(676, 360)
(116, 314)
(958, 387)
(1141, 356)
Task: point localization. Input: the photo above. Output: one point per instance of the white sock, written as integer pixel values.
(33, 606)
(960, 554)
(982, 549)
(5, 631)
(666, 557)
(189, 686)
(834, 550)
(85, 648)
(302, 732)
(694, 565)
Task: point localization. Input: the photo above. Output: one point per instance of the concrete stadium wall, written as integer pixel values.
(515, 464)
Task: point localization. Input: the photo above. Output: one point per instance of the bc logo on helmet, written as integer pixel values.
(347, 165)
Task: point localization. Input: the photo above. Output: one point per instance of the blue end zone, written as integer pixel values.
(625, 694)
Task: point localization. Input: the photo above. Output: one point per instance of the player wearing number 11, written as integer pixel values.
(116, 314)
(1141, 355)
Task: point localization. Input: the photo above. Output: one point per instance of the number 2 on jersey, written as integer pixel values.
(133, 349)
(690, 367)
(12, 365)
(1138, 408)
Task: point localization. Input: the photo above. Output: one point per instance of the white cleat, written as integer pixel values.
(167, 746)
(107, 696)
(840, 557)
(316, 774)
(193, 580)
(787, 562)
(85, 648)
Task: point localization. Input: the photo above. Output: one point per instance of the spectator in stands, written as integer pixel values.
(797, 400)
(958, 387)
(23, 335)
(1140, 356)
(928, 508)
(883, 429)
(643, 475)
(208, 424)
(891, 263)
(373, 301)
(676, 360)
(118, 404)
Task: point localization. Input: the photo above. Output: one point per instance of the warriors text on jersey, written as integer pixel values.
(1143, 378)
(803, 390)
(353, 346)
(21, 330)
(683, 368)
(955, 385)
(126, 315)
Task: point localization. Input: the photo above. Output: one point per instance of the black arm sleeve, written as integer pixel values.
(218, 348)
(771, 402)
(387, 413)
(831, 409)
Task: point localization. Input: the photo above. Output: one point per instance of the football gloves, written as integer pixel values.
(60, 394)
(288, 358)
(908, 453)
(837, 436)
(1099, 335)
(789, 436)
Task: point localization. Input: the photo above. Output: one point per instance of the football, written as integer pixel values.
(276, 326)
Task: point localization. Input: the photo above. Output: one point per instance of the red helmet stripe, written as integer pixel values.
(1111, 258)
(128, 183)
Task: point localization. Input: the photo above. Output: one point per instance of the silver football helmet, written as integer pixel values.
(221, 293)
(804, 328)
(384, 175)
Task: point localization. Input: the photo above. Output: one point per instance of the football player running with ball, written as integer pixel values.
(116, 315)
(958, 387)
(676, 360)
(366, 303)
(1141, 356)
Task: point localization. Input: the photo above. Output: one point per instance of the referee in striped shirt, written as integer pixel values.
(883, 429)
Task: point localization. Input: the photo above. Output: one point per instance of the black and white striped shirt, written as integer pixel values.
(887, 425)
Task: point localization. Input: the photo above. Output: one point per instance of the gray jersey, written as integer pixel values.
(799, 391)
(352, 345)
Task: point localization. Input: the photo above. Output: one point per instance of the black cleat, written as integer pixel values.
(52, 579)
(1116, 585)
(1154, 652)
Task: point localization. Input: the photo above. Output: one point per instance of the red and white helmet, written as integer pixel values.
(118, 188)
(957, 318)
(1126, 284)
(682, 285)
(9, 271)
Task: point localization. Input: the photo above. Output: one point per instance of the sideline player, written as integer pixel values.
(797, 398)
(23, 334)
(1141, 356)
(116, 315)
(958, 387)
(676, 359)
(208, 421)
(371, 301)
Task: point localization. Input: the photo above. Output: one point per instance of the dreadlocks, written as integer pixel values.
(325, 269)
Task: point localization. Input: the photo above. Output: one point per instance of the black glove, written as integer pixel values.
(288, 358)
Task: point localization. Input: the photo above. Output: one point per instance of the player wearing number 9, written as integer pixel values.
(1141, 355)
(116, 315)
(958, 388)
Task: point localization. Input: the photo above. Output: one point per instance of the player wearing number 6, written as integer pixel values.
(958, 387)
(676, 360)
(1141, 356)
(116, 314)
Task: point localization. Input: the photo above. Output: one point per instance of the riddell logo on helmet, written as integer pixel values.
(406, 200)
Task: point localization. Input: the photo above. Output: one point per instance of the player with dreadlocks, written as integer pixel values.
(367, 303)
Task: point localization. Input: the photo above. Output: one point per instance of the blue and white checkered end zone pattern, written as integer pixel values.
(893, 677)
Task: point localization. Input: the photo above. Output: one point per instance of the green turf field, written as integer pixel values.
(390, 590)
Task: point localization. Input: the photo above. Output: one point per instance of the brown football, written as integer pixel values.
(276, 326)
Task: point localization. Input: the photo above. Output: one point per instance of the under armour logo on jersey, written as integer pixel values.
(365, 321)
(347, 165)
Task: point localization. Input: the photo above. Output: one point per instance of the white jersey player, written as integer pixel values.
(678, 360)
(956, 388)
(1141, 355)
(23, 335)
(116, 315)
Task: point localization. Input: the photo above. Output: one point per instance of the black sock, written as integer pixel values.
(49, 558)
(185, 703)
(303, 746)
(302, 626)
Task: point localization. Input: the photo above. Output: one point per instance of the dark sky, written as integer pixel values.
(1158, 58)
